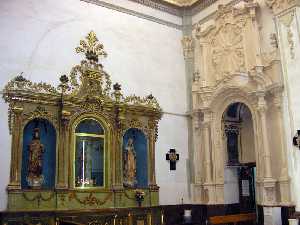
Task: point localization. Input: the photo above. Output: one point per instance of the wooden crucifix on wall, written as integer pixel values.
(173, 157)
(296, 139)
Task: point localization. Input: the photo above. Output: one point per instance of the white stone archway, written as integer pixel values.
(210, 149)
(232, 68)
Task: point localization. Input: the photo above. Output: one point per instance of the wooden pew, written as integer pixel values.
(232, 219)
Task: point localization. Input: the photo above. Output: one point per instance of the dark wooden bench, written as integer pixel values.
(232, 219)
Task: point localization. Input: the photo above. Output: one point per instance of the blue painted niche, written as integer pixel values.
(140, 147)
(48, 139)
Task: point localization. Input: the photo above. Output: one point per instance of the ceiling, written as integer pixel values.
(181, 3)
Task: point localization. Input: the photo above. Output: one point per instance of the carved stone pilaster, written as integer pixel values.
(207, 189)
(196, 120)
(16, 150)
(287, 20)
(197, 193)
(196, 124)
(262, 108)
(209, 193)
(284, 180)
(206, 126)
(188, 47)
(269, 194)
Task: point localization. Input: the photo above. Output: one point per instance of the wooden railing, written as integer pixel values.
(232, 219)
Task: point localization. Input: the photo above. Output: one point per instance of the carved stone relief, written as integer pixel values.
(229, 57)
(188, 47)
(226, 44)
(278, 6)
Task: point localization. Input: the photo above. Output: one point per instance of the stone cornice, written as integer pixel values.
(133, 13)
(162, 6)
(176, 7)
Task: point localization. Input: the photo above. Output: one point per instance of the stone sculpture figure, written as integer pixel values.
(130, 164)
(35, 177)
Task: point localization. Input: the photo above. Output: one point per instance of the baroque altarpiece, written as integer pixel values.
(83, 144)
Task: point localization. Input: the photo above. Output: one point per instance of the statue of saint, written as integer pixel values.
(130, 164)
(35, 177)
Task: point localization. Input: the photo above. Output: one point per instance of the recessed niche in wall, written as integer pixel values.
(38, 155)
(135, 157)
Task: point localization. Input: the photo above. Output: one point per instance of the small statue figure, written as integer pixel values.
(130, 165)
(35, 177)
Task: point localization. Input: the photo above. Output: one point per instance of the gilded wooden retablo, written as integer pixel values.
(83, 144)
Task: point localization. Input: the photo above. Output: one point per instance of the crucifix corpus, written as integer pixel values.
(173, 157)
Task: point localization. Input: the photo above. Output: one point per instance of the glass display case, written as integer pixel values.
(89, 154)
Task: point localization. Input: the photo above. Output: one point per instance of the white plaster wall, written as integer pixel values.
(39, 37)
(291, 107)
(146, 10)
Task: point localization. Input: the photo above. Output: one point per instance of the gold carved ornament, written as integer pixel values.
(92, 84)
(136, 192)
(88, 86)
(20, 84)
(38, 197)
(90, 199)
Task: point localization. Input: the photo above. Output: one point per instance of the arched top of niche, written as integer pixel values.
(139, 145)
(142, 131)
(227, 96)
(40, 118)
(225, 91)
(102, 120)
(90, 126)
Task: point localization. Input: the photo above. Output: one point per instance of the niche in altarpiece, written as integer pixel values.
(38, 155)
(135, 159)
(89, 154)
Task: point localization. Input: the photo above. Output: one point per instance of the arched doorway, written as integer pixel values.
(240, 162)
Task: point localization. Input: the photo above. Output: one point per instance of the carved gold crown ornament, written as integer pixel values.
(87, 85)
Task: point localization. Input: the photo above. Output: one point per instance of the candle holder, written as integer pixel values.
(139, 196)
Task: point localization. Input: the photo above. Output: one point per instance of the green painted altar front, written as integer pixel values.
(82, 145)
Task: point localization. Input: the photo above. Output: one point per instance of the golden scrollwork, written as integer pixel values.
(39, 113)
(133, 197)
(38, 197)
(90, 199)
(149, 101)
(20, 84)
(91, 47)
(136, 123)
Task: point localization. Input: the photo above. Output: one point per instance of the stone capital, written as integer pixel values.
(196, 118)
(188, 47)
(261, 102)
(207, 117)
(277, 101)
(17, 110)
